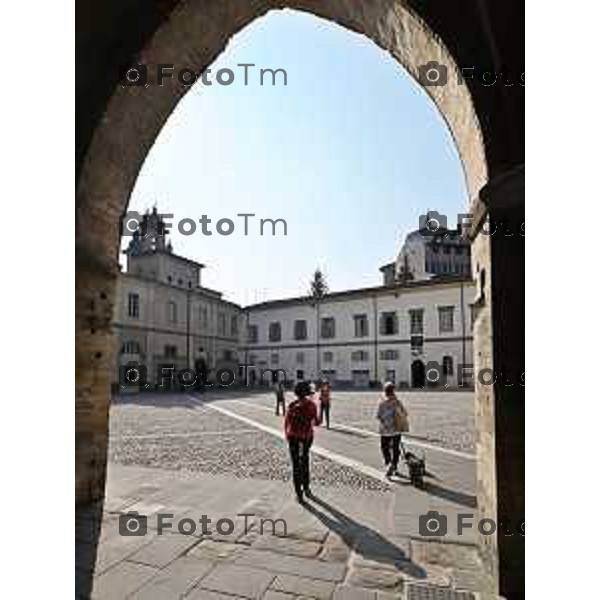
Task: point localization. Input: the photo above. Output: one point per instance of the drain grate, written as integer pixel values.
(420, 591)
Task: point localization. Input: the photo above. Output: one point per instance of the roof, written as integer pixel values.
(404, 286)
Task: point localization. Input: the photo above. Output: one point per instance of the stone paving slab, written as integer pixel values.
(293, 565)
(291, 546)
(350, 592)
(121, 581)
(237, 580)
(303, 586)
(175, 581)
(163, 549)
(217, 551)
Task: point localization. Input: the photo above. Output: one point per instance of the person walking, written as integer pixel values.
(300, 419)
(325, 401)
(279, 397)
(393, 422)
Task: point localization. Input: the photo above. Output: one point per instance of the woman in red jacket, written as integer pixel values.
(300, 419)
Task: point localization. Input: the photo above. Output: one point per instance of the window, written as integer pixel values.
(228, 355)
(130, 347)
(416, 321)
(252, 334)
(221, 323)
(446, 319)
(300, 358)
(416, 344)
(327, 357)
(172, 312)
(447, 365)
(329, 374)
(389, 355)
(133, 306)
(390, 375)
(328, 327)
(473, 313)
(275, 332)
(300, 332)
(360, 356)
(234, 325)
(203, 316)
(299, 374)
(361, 326)
(274, 359)
(388, 323)
(170, 351)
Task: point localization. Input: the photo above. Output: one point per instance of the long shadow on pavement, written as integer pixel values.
(363, 540)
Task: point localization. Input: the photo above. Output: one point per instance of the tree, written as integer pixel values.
(318, 286)
(318, 290)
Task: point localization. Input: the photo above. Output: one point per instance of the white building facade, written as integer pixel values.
(165, 319)
(363, 337)
(399, 331)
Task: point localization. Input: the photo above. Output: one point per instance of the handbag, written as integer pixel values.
(401, 421)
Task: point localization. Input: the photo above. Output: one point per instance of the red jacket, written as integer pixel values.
(325, 395)
(300, 418)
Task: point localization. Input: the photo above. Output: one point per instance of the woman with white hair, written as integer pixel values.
(393, 422)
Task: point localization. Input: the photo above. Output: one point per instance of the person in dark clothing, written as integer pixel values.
(325, 401)
(300, 419)
(201, 369)
(279, 398)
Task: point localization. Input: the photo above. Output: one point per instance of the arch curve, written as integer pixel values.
(194, 35)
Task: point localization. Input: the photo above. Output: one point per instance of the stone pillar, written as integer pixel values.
(95, 291)
(498, 256)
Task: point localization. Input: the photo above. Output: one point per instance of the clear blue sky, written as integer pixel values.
(350, 152)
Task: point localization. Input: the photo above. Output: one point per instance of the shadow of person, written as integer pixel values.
(365, 541)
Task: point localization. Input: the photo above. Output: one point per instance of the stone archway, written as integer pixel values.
(193, 36)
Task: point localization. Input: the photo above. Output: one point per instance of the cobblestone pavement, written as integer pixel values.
(198, 439)
(222, 455)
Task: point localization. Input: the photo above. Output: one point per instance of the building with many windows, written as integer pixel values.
(359, 337)
(165, 317)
